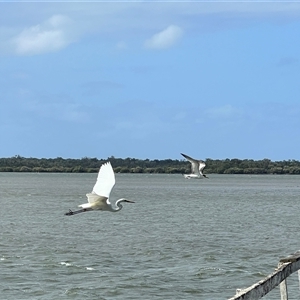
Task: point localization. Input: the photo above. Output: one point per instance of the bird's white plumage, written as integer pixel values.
(98, 199)
(105, 181)
(197, 167)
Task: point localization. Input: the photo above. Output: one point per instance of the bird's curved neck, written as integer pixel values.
(118, 205)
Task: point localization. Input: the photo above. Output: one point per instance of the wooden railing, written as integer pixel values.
(285, 268)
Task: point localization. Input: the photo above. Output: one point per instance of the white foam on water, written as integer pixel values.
(66, 264)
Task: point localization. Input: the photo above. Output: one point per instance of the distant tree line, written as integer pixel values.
(131, 165)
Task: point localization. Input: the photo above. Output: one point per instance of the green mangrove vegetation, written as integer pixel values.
(132, 165)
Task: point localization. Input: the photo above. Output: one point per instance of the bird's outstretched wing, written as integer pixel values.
(105, 181)
(188, 157)
(197, 165)
(201, 166)
(95, 201)
(194, 164)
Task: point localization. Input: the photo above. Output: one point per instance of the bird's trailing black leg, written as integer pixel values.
(70, 213)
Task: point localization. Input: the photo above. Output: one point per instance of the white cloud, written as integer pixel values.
(126, 21)
(165, 39)
(50, 36)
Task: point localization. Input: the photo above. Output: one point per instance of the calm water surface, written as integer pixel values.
(182, 239)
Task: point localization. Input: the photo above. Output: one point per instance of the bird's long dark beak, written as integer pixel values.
(129, 201)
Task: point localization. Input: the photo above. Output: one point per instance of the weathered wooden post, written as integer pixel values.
(285, 268)
(283, 290)
(294, 258)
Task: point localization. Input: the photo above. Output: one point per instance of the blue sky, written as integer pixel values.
(150, 79)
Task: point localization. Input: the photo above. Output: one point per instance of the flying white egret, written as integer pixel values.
(197, 167)
(98, 199)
